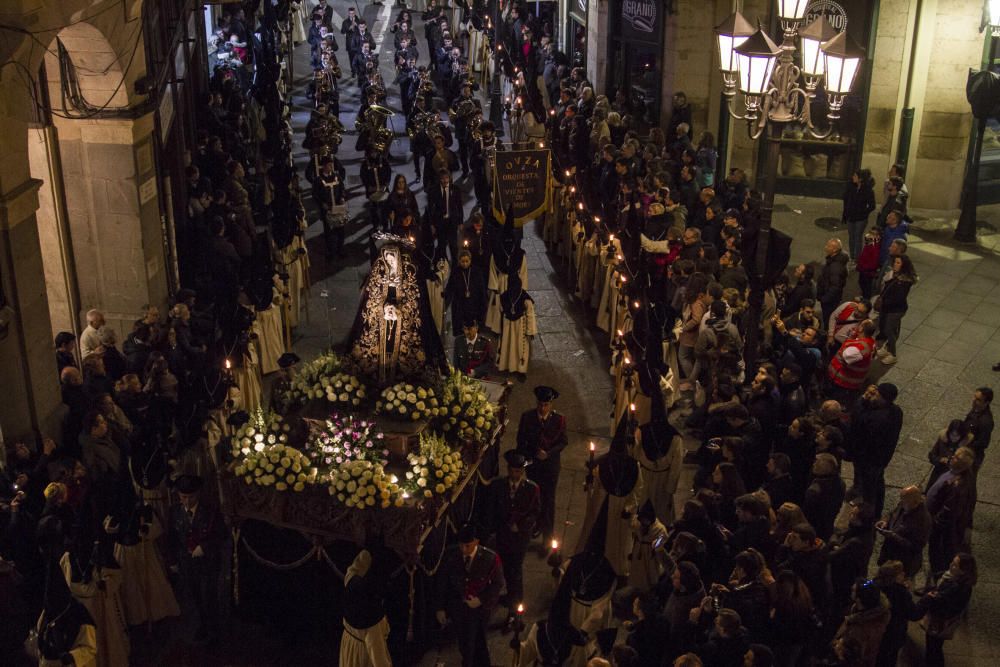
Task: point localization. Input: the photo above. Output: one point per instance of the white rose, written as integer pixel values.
(421, 482)
(299, 486)
(280, 486)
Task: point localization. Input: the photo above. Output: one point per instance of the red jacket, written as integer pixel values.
(852, 375)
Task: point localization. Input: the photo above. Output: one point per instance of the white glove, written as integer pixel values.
(198, 552)
(441, 618)
(473, 603)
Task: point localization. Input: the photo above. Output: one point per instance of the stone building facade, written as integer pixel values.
(919, 54)
(81, 223)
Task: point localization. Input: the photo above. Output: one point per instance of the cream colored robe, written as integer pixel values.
(146, 594)
(515, 341)
(618, 542)
(365, 648)
(497, 285)
(104, 605)
(646, 565)
(660, 477)
(435, 294)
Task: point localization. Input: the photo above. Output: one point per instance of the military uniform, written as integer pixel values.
(516, 509)
(476, 359)
(535, 435)
(463, 579)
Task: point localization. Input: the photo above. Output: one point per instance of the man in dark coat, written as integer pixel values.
(517, 504)
(905, 531)
(468, 588)
(806, 555)
(780, 486)
(445, 213)
(980, 422)
(824, 496)
(951, 501)
(541, 437)
(832, 277)
(195, 536)
(875, 425)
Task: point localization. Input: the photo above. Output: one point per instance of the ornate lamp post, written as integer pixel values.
(965, 230)
(777, 92)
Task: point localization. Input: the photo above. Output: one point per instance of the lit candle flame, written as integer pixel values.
(631, 406)
(636, 304)
(619, 257)
(580, 205)
(567, 171)
(597, 219)
(393, 479)
(627, 361)
(229, 364)
(621, 333)
(555, 544)
(541, 144)
(624, 279)
(612, 237)
(572, 188)
(466, 243)
(520, 608)
(593, 447)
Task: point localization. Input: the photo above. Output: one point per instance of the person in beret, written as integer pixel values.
(474, 354)
(467, 587)
(195, 538)
(516, 505)
(541, 437)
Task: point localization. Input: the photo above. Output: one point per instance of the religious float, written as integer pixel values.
(382, 446)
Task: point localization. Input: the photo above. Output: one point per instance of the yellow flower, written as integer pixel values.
(439, 488)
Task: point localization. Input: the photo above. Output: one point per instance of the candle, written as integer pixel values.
(631, 406)
(612, 238)
(620, 333)
(567, 171)
(636, 304)
(555, 543)
(619, 257)
(597, 219)
(580, 206)
(541, 144)
(466, 243)
(624, 280)
(592, 449)
(627, 361)
(572, 188)
(520, 608)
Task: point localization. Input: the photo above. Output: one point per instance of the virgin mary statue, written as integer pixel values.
(394, 336)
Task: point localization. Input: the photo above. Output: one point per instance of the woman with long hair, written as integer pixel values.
(892, 305)
(791, 620)
(859, 202)
(706, 157)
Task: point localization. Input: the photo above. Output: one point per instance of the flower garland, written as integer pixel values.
(406, 401)
(364, 484)
(434, 468)
(280, 466)
(344, 439)
(468, 413)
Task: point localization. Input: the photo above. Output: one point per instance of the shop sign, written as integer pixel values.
(640, 19)
(831, 11)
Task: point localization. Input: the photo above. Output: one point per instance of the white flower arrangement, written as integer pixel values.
(308, 382)
(434, 468)
(278, 466)
(262, 430)
(364, 484)
(468, 414)
(407, 401)
(341, 389)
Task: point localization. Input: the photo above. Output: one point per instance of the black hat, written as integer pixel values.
(545, 394)
(606, 639)
(64, 337)
(188, 484)
(515, 459)
(647, 511)
(470, 322)
(589, 576)
(888, 391)
(467, 533)
(624, 435)
(238, 418)
(288, 359)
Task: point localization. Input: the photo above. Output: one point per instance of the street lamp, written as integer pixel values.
(994, 11)
(778, 92)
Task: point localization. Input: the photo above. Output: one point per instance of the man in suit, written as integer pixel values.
(195, 535)
(444, 212)
(468, 588)
(474, 354)
(541, 437)
(517, 504)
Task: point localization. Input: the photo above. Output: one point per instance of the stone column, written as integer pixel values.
(31, 401)
(114, 216)
(598, 26)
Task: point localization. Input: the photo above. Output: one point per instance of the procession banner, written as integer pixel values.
(522, 180)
